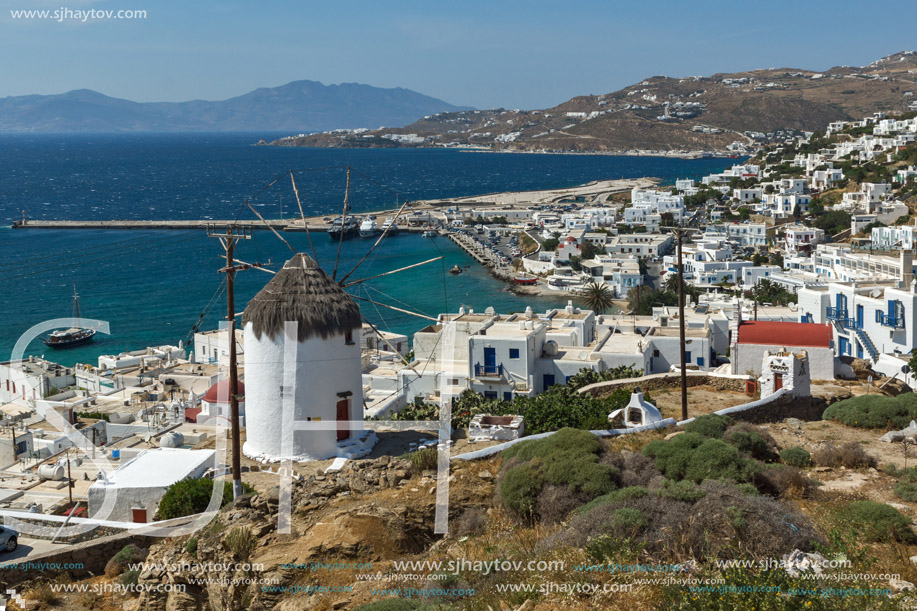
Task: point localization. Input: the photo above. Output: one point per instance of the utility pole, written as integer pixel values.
(679, 235)
(228, 238)
(70, 481)
(756, 301)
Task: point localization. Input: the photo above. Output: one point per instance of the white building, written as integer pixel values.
(868, 318)
(132, 492)
(799, 239)
(212, 347)
(325, 365)
(32, 379)
(621, 273)
(651, 245)
(215, 405)
(753, 340)
(893, 238)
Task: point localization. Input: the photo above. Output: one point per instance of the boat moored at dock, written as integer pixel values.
(369, 228)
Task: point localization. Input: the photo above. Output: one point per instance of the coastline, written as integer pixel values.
(670, 154)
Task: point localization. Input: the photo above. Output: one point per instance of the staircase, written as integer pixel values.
(866, 343)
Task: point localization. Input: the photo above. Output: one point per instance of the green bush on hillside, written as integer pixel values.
(709, 425)
(876, 522)
(191, 496)
(696, 458)
(568, 459)
(796, 457)
(875, 411)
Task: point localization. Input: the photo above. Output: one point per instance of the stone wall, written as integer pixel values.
(666, 380)
(787, 406)
(92, 555)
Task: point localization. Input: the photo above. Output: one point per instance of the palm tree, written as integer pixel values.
(598, 297)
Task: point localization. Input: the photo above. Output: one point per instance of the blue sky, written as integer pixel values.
(510, 53)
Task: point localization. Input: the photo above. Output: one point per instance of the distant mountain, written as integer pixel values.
(665, 114)
(301, 106)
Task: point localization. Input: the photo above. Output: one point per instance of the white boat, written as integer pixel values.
(390, 225)
(369, 228)
(429, 234)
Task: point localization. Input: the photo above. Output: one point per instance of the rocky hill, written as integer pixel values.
(664, 113)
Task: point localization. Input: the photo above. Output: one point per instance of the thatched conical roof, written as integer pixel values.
(304, 293)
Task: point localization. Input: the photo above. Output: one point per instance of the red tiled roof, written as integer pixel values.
(191, 414)
(773, 333)
(219, 392)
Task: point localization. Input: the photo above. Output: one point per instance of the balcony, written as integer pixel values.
(837, 314)
(889, 320)
(488, 371)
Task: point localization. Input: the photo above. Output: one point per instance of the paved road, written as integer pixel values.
(28, 548)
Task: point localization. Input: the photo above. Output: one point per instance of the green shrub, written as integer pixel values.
(693, 457)
(796, 457)
(709, 425)
(875, 411)
(752, 440)
(127, 555)
(191, 547)
(568, 458)
(425, 459)
(685, 490)
(129, 578)
(241, 542)
(876, 522)
(906, 488)
(631, 492)
(520, 487)
(628, 519)
(191, 496)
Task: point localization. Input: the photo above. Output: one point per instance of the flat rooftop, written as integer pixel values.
(157, 468)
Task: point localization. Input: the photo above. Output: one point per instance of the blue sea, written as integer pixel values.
(154, 286)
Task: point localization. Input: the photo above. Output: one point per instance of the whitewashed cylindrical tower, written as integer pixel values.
(328, 384)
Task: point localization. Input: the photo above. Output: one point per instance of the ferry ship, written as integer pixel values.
(346, 228)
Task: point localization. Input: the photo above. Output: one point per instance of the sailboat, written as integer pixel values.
(73, 336)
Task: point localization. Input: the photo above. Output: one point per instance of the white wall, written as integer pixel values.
(324, 368)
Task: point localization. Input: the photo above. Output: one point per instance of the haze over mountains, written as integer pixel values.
(300, 106)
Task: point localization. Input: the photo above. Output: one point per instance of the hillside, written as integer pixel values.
(704, 113)
(303, 106)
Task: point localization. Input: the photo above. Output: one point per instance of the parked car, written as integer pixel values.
(9, 539)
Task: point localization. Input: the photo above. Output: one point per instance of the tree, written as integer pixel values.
(643, 265)
(642, 299)
(797, 212)
(598, 297)
(576, 263)
(692, 293)
(777, 259)
(589, 251)
(550, 244)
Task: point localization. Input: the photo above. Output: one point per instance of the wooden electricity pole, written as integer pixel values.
(228, 238)
(679, 235)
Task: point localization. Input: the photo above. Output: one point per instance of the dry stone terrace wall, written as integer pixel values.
(665, 380)
(93, 555)
(809, 408)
